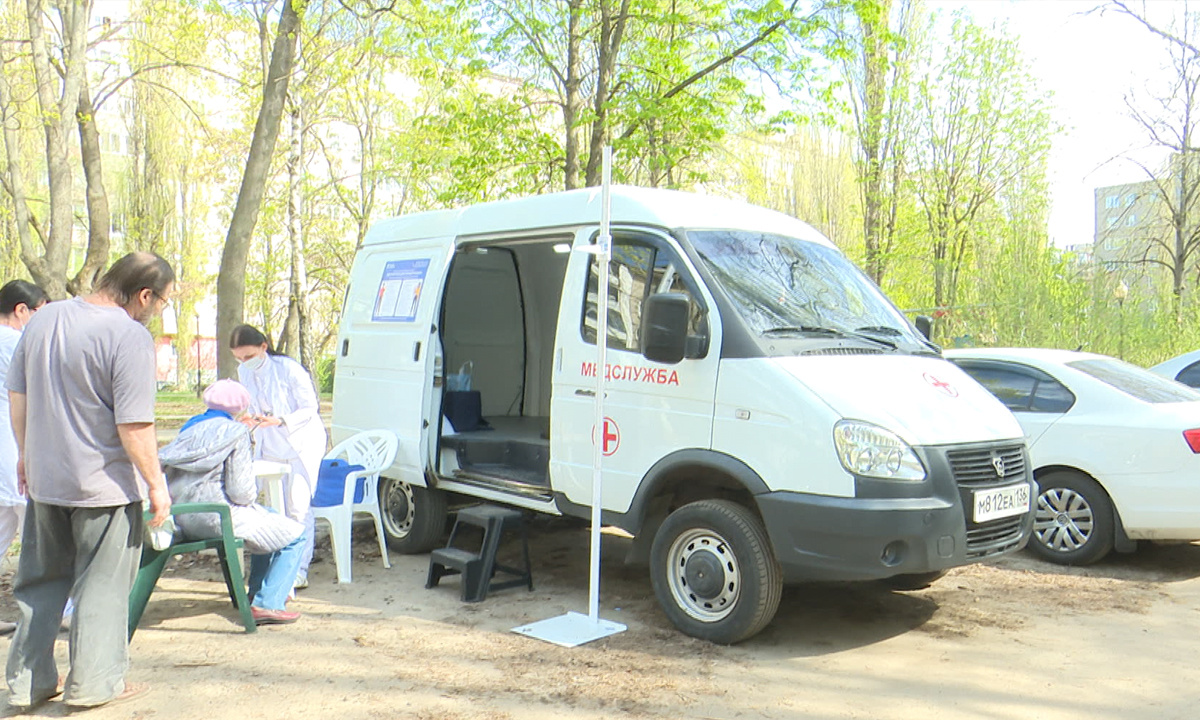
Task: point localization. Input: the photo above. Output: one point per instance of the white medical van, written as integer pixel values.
(770, 416)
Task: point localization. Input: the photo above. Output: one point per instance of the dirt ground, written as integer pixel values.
(1012, 639)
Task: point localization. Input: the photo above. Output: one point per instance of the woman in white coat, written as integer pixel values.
(286, 410)
(18, 301)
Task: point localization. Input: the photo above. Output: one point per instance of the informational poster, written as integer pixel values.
(400, 290)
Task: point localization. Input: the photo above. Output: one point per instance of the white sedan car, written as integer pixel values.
(1114, 448)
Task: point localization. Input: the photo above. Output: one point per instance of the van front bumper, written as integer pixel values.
(817, 537)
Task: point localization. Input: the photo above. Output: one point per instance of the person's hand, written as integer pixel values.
(21, 476)
(160, 504)
(250, 421)
(269, 421)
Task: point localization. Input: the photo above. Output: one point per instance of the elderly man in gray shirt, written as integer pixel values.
(81, 385)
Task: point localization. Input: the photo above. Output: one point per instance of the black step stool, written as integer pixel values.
(478, 569)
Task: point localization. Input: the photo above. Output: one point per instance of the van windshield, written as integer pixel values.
(786, 286)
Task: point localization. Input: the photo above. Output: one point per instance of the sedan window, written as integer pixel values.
(1132, 380)
(1021, 389)
(1011, 388)
(1190, 375)
(1052, 397)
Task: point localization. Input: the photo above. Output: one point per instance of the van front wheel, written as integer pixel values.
(713, 571)
(414, 518)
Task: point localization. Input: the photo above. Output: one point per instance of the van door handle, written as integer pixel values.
(416, 351)
(345, 346)
(586, 393)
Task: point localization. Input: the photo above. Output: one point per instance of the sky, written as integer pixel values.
(1090, 62)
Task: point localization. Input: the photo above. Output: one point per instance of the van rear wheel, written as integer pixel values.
(714, 573)
(414, 517)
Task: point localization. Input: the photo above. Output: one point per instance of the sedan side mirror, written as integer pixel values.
(664, 327)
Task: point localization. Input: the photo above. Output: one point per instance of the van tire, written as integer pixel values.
(715, 536)
(1073, 522)
(414, 517)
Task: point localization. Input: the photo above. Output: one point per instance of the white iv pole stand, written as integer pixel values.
(574, 629)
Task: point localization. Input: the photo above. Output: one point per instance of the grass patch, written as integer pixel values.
(172, 409)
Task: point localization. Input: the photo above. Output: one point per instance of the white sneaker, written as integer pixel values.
(301, 582)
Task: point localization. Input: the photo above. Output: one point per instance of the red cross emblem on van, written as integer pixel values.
(941, 385)
(612, 436)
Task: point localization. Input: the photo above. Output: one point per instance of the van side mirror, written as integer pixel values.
(665, 327)
(924, 325)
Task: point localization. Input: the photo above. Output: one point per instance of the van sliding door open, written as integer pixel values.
(388, 346)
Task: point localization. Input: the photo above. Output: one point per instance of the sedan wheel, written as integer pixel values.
(1073, 523)
(1064, 519)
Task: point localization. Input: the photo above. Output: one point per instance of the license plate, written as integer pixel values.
(1001, 502)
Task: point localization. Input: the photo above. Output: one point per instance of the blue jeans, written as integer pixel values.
(273, 574)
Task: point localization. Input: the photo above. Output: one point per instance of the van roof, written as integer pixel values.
(630, 205)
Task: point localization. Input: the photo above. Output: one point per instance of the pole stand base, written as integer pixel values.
(570, 630)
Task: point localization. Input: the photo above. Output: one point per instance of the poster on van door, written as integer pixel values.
(400, 290)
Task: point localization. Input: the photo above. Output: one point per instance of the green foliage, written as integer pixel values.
(476, 146)
(683, 76)
(324, 373)
(981, 129)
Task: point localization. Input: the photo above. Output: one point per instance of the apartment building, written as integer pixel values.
(1128, 220)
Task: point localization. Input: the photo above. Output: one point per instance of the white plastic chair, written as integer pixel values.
(374, 450)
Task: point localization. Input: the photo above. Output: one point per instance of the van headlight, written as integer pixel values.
(871, 451)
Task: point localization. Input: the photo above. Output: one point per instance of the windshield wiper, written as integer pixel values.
(871, 338)
(814, 330)
(885, 330)
(800, 329)
(872, 332)
(881, 329)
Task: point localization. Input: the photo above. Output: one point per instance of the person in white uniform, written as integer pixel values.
(19, 300)
(285, 408)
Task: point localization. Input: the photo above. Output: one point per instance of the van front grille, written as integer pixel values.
(977, 469)
(981, 468)
(994, 537)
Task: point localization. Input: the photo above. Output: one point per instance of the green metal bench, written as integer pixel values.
(227, 546)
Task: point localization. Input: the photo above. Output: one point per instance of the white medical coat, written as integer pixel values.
(283, 388)
(8, 444)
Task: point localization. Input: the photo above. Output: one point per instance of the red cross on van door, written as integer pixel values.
(612, 436)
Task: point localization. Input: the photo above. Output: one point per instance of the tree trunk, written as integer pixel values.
(15, 180)
(231, 282)
(188, 342)
(297, 310)
(99, 216)
(57, 116)
(873, 20)
(612, 30)
(574, 100)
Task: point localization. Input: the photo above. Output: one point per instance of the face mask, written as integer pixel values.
(255, 362)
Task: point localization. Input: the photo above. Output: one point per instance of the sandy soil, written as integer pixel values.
(1013, 639)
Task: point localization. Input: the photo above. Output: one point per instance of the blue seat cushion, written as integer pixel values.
(331, 483)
